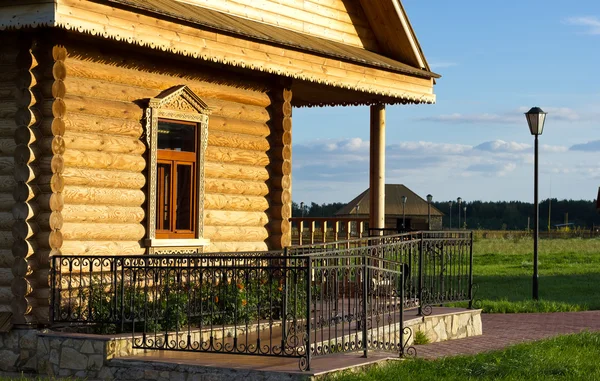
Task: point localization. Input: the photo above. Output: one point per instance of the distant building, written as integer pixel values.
(416, 209)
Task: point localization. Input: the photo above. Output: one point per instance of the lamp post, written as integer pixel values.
(465, 209)
(429, 199)
(404, 213)
(450, 208)
(458, 201)
(535, 119)
(302, 208)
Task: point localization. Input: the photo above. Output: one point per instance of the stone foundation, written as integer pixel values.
(98, 356)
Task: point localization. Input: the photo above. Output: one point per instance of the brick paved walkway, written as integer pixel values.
(502, 330)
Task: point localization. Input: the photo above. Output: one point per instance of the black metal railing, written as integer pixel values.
(299, 302)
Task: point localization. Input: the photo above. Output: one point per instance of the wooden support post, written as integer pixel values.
(377, 169)
(300, 232)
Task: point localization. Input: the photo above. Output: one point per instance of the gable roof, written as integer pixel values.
(394, 32)
(415, 205)
(273, 34)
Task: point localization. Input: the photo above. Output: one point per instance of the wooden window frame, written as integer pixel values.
(178, 105)
(176, 158)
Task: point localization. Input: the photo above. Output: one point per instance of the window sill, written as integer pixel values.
(189, 242)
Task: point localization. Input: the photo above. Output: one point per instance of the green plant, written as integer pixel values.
(421, 338)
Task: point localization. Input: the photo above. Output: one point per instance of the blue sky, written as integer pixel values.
(497, 59)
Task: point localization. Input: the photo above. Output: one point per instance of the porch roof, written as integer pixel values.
(327, 72)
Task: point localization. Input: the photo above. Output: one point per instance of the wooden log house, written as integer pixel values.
(139, 126)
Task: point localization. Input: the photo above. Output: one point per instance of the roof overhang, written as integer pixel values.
(328, 73)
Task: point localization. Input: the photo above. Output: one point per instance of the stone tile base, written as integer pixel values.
(101, 357)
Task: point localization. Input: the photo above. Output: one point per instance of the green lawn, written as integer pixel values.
(572, 357)
(569, 271)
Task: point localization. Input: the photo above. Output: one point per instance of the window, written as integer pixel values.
(176, 133)
(176, 179)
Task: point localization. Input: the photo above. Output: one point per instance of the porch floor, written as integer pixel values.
(260, 367)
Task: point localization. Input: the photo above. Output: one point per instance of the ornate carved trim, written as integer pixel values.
(177, 103)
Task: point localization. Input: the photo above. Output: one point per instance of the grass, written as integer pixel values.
(420, 338)
(569, 274)
(571, 357)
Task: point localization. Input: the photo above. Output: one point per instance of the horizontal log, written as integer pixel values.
(26, 135)
(240, 111)
(237, 172)
(280, 227)
(25, 210)
(6, 276)
(24, 229)
(6, 294)
(21, 287)
(237, 156)
(280, 197)
(230, 218)
(102, 160)
(8, 109)
(74, 231)
(94, 177)
(239, 187)
(25, 249)
(51, 201)
(7, 183)
(235, 140)
(218, 247)
(280, 212)
(7, 258)
(235, 202)
(281, 182)
(6, 220)
(102, 213)
(7, 147)
(50, 221)
(237, 126)
(235, 233)
(49, 240)
(7, 127)
(89, 123)
(74, 194)
(24, 192)
(53, 183)
(200, 82)
(26, 172)
(7, 165)
(281, 168)
(101, 107)
(102, 248)
(6, 202)
(96, 142)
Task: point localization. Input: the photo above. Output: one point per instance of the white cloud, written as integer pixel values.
(592, 23)
(502, 146)
(593, 146)
(472, 118)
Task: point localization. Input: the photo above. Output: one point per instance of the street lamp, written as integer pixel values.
(465, 209)
(535, 119)
(429, 199)
(302, 208)
(404, 198)
(458, 201)
(450, 207)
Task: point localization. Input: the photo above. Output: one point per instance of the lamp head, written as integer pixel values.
(535, 119)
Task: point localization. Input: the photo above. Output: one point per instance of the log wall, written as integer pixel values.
(8, 110)
(103, 167)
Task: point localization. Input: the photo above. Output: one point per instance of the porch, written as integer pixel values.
(299, 304)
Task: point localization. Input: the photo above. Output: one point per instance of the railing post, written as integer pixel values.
(52, 287)
(364, 304)
(284, 300)
(420, 280)
(402, 277)
(471, 272)
(308, 306)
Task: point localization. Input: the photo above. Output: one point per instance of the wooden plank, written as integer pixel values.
(271, 59)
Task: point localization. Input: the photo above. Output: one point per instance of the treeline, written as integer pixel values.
(514, 215)
(498, 215)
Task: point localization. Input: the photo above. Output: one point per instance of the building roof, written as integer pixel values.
(415, 205)
(325, 71)
(269, 33)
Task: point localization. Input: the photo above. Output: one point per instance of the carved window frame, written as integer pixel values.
(178, 104)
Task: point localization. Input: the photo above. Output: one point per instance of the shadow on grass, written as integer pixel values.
(578, 289)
